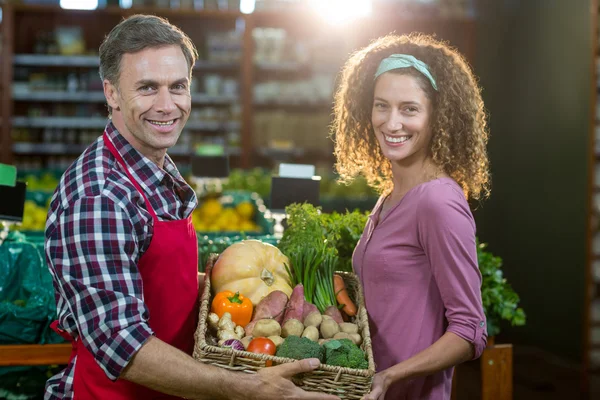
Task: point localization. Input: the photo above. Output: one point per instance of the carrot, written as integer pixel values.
(341, 294)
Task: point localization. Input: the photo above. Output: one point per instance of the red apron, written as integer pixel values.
(169, 270)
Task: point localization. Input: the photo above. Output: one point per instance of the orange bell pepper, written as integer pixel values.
(237, 305)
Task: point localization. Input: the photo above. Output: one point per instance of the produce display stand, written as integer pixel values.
(35, 354)
(11, 211)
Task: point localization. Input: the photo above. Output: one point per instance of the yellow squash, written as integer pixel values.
(253, 268)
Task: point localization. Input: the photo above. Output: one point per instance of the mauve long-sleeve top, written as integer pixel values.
(420, 276)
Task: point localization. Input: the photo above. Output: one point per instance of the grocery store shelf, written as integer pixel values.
(180, 150)
(25, 148)
(88, 97)
(274, 152)
(52, 60)
(98, 97)
(116, 10)
(216, 65)
(22, 148)
(302, 104)
(289, 66)
(212, 125)
(100, 122)
(59, 122)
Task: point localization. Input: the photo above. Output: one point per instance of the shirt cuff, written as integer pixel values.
(114, 354)
(476, 335)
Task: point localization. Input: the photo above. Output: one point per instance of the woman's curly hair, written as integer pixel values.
(458, 123)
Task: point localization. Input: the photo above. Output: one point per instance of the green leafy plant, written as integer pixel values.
(343, 231)
(500, 302)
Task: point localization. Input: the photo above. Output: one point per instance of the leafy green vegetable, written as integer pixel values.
(500, 302)
(299, 348)
(313, 257)
(343, 231)
(344, 353)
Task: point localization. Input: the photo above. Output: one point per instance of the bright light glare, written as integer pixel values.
(341, 11)
(247, 6)
(79, 4)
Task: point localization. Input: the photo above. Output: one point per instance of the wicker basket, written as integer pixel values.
(346, 383)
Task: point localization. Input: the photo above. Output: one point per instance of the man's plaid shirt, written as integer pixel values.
(97, 230)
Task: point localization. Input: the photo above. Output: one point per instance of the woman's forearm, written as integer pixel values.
(446, 352)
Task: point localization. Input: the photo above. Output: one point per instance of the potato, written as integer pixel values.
(342, 335)
(246, 341)
(347, 327)
(323, 341)
(326, 317)
(312, 333)
(276, 339)
(329, 328)
(266, 328)
(292, 327)
(308, 309)
(313, 319)
(356, 338)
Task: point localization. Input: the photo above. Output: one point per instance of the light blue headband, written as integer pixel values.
(396, 61)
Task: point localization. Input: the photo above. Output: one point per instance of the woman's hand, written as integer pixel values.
(381, 383)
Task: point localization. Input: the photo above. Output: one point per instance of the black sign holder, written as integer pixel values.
(286, 191)
(209, 171)
(12, 206)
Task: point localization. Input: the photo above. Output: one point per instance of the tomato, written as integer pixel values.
(262, 345)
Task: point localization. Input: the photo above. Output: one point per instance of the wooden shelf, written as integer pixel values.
(118, 11)
(100, 122)
(26, 148)
(35, 354)
(59, 122)
(55, 96)
(92, 61)
(98, 97)
(293, 104)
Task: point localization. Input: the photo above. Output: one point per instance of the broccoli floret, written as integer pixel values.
(299, 348)
(344, 353)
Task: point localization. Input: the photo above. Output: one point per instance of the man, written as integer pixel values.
(121, 247)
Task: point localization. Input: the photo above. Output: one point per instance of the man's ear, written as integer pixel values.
(111, 92)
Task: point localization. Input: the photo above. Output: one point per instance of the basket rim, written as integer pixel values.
(203, 328)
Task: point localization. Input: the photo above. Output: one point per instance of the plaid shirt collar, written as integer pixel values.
(146, 172)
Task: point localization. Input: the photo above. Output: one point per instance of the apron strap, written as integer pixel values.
(114, 152)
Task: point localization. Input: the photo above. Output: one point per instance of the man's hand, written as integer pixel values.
(275, 382)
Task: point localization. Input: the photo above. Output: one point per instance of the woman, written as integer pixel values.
(409, 117)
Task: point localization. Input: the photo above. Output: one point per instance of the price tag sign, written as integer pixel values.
(210, 166)
(12, 202)
(8, 175)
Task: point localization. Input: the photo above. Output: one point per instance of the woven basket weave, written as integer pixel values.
(346, 383)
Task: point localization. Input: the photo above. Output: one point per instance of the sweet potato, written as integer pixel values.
(308, 308)
(295, 306)
(334, 313)
(271, 307)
